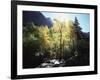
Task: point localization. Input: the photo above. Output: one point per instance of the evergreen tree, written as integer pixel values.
(78, 29)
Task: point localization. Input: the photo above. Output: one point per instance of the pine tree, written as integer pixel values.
(78, 28)
(78, 33)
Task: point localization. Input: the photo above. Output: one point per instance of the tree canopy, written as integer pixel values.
(58, 41)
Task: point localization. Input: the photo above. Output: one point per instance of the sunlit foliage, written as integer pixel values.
(57, 41)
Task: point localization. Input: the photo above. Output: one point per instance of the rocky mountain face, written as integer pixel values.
(36, 17)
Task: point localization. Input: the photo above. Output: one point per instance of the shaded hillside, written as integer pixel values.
(37, 17)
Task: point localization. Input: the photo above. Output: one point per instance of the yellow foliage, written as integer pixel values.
(62, 34)
(44, 37)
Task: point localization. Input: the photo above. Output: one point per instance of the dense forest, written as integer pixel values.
(62, 44)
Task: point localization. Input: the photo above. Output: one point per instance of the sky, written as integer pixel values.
(83, 18)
